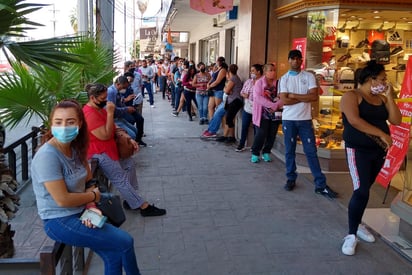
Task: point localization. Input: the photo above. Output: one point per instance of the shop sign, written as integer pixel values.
(148, 33)
(300, 44)
(399, 133)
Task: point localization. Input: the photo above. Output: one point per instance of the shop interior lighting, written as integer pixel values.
(380, 27)
(355, 28)
(342, 29)
(392, 29)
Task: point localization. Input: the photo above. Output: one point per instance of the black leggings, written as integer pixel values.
(231, 111)
(364, 166)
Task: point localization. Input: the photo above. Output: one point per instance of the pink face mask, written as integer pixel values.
(375, 90)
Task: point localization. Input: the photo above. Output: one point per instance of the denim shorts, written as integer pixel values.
(219, 94)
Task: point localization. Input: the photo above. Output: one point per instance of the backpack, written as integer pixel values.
(346, 79)
(380, 51)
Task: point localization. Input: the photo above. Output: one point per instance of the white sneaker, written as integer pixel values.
(152, 106)
(364, 234)
(349, 245)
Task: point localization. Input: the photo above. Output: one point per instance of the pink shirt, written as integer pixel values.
(260, 101)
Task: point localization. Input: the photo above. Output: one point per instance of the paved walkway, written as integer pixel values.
(228, 216)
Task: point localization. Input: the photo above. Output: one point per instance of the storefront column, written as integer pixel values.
(252, 43)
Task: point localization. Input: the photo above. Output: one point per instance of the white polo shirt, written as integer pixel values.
(297, 84)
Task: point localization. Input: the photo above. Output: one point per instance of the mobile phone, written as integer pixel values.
(95, 218)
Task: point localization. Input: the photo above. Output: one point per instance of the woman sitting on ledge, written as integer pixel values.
(59, 174)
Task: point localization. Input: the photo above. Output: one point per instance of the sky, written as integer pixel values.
(56, 19)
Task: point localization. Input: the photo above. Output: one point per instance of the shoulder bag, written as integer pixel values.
(124, 145)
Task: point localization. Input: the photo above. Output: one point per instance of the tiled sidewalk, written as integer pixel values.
(228, 216)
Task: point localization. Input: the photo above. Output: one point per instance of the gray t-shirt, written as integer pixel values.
(236, 89)
(49, 164)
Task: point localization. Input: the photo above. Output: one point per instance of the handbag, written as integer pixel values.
(111, 207)
(210, 92)
(124, 145)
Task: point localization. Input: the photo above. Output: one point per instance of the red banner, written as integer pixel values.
(399, 133)
(300, 44)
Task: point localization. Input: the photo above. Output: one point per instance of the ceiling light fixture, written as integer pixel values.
(355, 28)
(380, 27)
(342, 29)
(392, 29)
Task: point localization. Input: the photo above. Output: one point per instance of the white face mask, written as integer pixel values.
(375, 90)
(122, 91)
(253, 76)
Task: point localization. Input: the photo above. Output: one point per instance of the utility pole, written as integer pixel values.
(124, 32)
(134, 30)
(91, 25)
(82, 16)
(54, 19)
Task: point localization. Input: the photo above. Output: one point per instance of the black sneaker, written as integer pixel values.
(230, 140)
(327, 192)
(290, 185)
(396, 51)
(400, 67)
(240, 148)
(142, 143)
(152, 211)
(221, 139)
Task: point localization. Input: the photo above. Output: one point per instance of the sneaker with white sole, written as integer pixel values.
(364, 234)
(266, 157)
(349, 245)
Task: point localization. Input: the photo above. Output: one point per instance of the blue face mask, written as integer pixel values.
(65, 134)
(293, 73)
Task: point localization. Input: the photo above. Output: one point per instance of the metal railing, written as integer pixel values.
(19, 155)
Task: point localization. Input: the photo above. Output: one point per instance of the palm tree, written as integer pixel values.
(29, 93)
(58, 67)
(44, 72)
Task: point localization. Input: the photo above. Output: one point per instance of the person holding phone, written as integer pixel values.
(60, 173)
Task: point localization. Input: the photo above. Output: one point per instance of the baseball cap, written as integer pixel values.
(294, 53)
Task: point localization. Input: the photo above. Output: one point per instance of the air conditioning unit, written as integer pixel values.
(227, 17)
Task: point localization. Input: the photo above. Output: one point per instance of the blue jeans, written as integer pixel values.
(303, 128)
(162, 85)
(178, 95)
(148, 86)
(218, 94)
(202, 103)
(135, 119)
(214, 124)
(246, 120)
(112, 244)
(125, 125)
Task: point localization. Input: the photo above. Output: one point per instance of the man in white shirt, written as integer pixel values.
(297, 90)
(147, 75)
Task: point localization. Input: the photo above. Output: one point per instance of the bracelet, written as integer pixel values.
(95, 196)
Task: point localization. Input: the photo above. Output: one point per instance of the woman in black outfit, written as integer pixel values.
(365, 112)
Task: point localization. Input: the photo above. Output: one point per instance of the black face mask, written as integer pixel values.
(102, 104)
(203, 70)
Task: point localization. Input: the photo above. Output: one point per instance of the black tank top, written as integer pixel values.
(221, 85)
(373, 114)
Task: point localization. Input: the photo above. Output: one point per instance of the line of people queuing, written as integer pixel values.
(61, 174)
